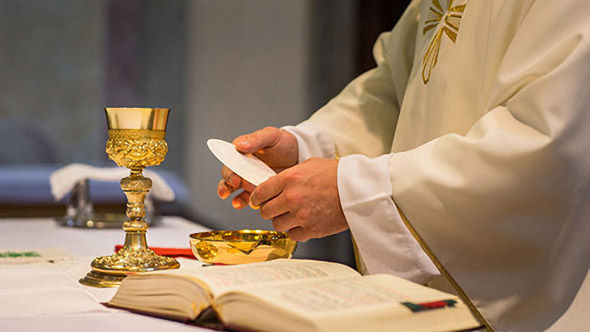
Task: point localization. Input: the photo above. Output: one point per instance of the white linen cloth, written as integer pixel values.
(63, 180)
(47, 296)
(486, 148)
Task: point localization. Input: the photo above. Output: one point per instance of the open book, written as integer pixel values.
(294, 295)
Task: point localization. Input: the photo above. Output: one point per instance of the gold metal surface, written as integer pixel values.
(241, 247)
(137, 118)
(136, 140)
(136, 148)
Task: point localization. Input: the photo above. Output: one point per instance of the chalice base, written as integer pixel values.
(109, 271)
(102, 280)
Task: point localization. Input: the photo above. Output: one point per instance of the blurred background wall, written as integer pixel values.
(51, 71)
(224, 67)
(255, 52)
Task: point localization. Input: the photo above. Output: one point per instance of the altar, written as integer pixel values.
(46, 296)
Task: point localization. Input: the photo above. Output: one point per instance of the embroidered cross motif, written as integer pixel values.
(445, 21)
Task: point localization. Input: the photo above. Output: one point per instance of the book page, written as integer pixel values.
(343, 304)
(221, 278)
(323, 296)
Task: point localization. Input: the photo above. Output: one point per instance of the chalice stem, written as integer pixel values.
(135, 240)
(135, 187)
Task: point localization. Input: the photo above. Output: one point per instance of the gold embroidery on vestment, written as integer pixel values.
(445, 21)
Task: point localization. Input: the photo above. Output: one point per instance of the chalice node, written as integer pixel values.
(136, 140)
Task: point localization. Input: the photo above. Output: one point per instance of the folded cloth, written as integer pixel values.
(64, 179)
(171, 252)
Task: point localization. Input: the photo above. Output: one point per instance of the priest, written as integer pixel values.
(464, 152)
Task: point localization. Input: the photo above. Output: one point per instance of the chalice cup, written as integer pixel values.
(136, 140)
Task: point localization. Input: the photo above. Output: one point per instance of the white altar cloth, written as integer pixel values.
(48, 297)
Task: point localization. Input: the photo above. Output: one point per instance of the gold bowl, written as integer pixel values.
(241, 247)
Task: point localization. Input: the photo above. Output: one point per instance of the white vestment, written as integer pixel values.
(476, 124)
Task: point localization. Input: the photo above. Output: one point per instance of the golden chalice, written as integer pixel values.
(136, 140)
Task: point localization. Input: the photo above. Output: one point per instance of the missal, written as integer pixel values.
(293, 295)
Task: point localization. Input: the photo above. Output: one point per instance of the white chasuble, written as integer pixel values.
(476, 124)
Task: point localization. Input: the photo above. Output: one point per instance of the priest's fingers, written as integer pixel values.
(231, 179)
(274, 207)
(267, 190)
(285, 222)
(234, 181)
(247, 186)
(292, 225)
(276, 147)
(241, 201)
(298, 234)
(258, 140)
(223, 190)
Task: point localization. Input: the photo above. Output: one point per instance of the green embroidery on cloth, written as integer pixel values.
(14, 254)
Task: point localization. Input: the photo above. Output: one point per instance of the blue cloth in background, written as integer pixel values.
(29, 185)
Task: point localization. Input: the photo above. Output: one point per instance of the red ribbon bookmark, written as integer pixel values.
(171, 252)
(416, 307)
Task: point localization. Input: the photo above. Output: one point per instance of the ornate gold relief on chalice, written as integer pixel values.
(136, 140)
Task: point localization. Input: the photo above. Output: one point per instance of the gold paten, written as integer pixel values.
(241, 247)
(136, 140)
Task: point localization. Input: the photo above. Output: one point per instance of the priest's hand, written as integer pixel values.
(303, 200)
(276, 147)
